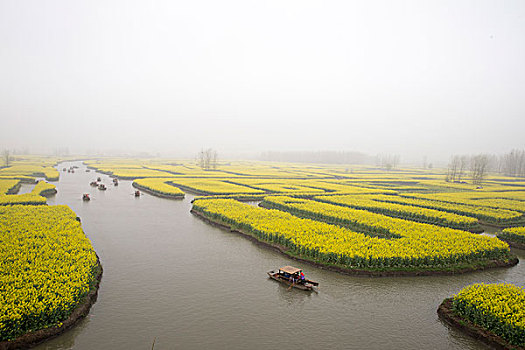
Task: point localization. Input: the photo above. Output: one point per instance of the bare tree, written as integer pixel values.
(6, 156)
(201, 158)
(479, 167)
(463, 165)
(513, 163)
(207, 159)
(388, 161)
(452, 171)
(214, 159)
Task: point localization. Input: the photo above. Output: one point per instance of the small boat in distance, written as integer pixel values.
(85, 197)
(99, 179)
(293, 277)
(137, 193)
(115, 181)
(93, 184)
(102, 187)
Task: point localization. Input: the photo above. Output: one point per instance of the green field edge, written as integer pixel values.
(446, 314)
(475, 228)
(509, 238)
(33, 338)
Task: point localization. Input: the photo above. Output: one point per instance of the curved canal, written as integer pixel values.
(172, 279)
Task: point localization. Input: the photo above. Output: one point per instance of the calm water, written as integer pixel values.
(169, 276)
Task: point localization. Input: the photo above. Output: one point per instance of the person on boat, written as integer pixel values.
(302, 277)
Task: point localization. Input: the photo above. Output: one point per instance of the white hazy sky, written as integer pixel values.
(409, 77)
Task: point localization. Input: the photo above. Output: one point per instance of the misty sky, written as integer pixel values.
(410, 77)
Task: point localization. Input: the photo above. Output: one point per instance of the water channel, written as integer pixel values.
(173, 279)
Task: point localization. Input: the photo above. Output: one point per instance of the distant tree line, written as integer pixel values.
(6, 157)
(327, 157)
(476, 167)
(207, 159)
(513, 163)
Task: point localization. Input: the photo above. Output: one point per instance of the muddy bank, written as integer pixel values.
(482, 265)
(33, 338)
(447, 314)
(157, 193)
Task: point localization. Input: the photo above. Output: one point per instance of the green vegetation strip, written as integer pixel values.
(405, 211)
(9, 186)
(43, 188)
(515, 236)
(489, 215)
(26, 199)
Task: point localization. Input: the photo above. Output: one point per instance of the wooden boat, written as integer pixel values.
(291, 276)
(137, 193)
(85, 197)
(93, 184)
(102, 187)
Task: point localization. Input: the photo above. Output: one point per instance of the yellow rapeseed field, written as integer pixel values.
(499, 308)
(418, 245)
(405, 211)
(160, 185)
(47, 266)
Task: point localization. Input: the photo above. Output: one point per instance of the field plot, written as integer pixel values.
(159, 186)
(515, 236)
(27, 198)
(8, 186)
(277, 186)
(43, 188)
(51, 174)
(431, 216)
(213, 186)
(487, 214)
(496, 308)
(190, 171)
(414, 215)
(337, 187)
(47, 268)
(268, 170)
(413, 246)
(498, 200)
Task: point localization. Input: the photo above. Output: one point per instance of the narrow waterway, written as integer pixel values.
(173, 279)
